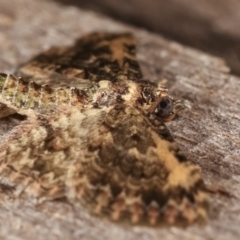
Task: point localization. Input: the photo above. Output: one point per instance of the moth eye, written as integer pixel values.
(164, 107)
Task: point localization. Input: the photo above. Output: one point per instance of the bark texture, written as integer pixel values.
(209, 134)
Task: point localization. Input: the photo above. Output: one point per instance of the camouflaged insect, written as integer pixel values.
(96, 135)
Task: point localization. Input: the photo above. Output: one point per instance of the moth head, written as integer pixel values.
(162, 105)
(165, 107)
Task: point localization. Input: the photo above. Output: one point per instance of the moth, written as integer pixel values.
(94, 133)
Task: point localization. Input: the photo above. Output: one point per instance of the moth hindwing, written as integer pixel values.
(95, 134)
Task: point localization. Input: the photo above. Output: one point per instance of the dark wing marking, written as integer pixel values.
(98, 56)
(137, 172)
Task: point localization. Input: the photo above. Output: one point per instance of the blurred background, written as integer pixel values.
(209, 25)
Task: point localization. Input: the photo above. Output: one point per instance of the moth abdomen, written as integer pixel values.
(33, 95)
(8, 86)
(78, 97)
(13, 90)
(17, 92)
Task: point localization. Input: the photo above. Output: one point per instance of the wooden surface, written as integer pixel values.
(209, 134)
(209, 25)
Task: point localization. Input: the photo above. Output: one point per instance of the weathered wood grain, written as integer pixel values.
(209, 134)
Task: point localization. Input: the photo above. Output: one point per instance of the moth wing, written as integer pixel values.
(97, 56)
(131, 167)
(114, 161)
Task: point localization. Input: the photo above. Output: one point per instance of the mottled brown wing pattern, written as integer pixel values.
(98, 56)
(136, 171)
(102, 144)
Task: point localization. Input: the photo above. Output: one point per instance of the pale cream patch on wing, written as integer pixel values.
(133, 92)
(180, 174)
(117, 46)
